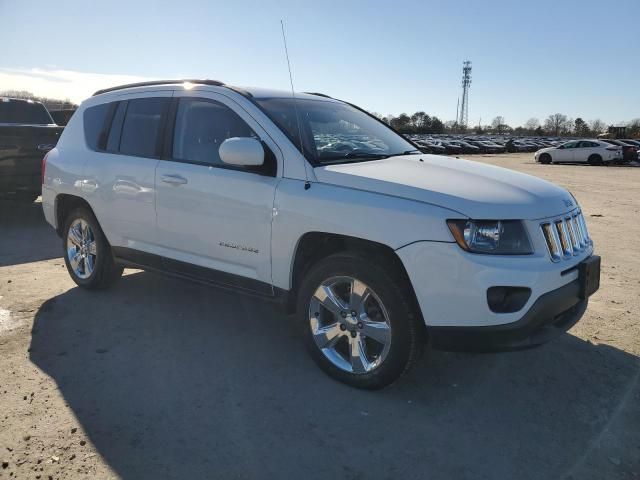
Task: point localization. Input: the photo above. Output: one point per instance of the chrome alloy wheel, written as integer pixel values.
(350, 325)
(81, 248)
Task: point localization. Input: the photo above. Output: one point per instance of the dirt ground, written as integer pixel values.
(159, 378)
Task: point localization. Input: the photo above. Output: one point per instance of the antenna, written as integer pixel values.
(307, 185)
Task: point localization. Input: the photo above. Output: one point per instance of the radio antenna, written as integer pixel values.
(307, 185)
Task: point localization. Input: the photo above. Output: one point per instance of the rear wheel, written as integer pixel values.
(359, 323)
(595, 159)
(87, 253)
(545, 158)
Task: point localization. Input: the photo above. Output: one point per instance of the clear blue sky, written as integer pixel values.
(530, 59)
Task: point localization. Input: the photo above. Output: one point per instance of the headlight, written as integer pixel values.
(499, 237)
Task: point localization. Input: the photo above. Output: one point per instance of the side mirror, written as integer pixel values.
(242, 151)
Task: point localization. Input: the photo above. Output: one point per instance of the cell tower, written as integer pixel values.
(463, 116)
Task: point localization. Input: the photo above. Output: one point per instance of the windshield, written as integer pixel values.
(333, 132)
(22, 112)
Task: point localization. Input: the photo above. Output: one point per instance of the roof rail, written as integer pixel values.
(215, 83)
(318, 94)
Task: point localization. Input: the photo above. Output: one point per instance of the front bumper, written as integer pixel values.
(551, 315)
(451, 284)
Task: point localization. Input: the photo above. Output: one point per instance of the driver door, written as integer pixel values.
(214, 219)
(565, 153)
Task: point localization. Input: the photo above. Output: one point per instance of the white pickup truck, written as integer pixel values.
(309, 201)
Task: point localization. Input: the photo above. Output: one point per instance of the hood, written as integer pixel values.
(474, 189)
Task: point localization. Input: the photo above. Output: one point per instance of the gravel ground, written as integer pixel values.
(159, 378)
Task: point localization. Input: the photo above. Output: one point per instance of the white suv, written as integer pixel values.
(311, 202)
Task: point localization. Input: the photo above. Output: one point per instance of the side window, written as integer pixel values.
(113, 141)
(201, 126)
(141, 127)
(94, 125)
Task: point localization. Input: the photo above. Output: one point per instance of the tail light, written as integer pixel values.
(613, 149)
(44, 167)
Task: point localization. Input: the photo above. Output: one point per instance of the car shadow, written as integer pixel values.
(26, 236)
(171, 379)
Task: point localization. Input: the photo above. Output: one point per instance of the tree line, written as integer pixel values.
(556, 125)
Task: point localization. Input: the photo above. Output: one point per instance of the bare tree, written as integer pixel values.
(532, 124)
(597, 126)
(499, 125)
(497, 121)
(555, 123)
(633, 128)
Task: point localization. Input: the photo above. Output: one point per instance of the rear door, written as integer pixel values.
(584, 151)
(121, 180)
(214, 220)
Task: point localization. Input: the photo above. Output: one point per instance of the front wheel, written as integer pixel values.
(87, 253)
(360, 325)
(545, 158)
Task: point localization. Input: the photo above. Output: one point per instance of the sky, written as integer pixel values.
(530, 59)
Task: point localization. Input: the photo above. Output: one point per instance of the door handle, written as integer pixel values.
(174, 179)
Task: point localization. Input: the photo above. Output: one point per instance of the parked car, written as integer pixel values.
(629, 151)
(594, 152)
(450, 147)
(371, 243)
(465, 146)
(516, 146)
(434, 147)
(27, 133)
(492, 147)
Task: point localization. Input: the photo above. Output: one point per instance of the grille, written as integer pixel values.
(566, 236)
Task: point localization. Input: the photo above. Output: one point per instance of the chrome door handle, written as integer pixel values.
(174, 179)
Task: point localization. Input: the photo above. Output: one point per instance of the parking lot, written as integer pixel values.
(160, 378)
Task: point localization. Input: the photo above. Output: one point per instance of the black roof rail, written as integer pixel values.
(239, 90)
(215, 83)
(318, 94)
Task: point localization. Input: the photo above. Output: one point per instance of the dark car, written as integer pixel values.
(466, 147)
(451, 148)
(27, 133)
(435, 147)
(629, 151)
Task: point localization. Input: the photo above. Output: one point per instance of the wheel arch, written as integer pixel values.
(64, 204)
(316, 245)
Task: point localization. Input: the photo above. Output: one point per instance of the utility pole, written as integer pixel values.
(463, 115)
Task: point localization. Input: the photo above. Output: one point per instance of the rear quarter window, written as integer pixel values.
(94, 125)
(24, 113)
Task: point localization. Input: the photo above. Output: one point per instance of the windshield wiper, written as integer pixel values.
(354, 157)
(366, 155)
(408, 152)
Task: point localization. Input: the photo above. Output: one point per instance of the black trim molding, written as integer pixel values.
(130, 257)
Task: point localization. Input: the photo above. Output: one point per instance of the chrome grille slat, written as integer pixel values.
(566, 236)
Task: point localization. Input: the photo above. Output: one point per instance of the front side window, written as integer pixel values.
(141, 127)
(328, 132)
(201, 127)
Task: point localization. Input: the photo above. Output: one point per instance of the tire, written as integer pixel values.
(545, 158)
(595, 159)
(387, 330)
(92, 266)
